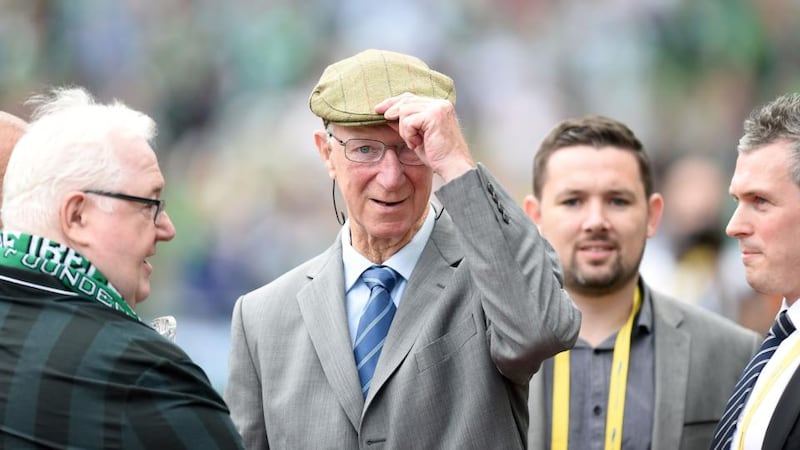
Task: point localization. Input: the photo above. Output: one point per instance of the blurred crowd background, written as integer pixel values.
(228, 83)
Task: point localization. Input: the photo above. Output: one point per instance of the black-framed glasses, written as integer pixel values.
(160, 204)
(371, 151)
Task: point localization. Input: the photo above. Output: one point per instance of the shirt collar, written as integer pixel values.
(792, 311)
(402, 262)
(643, 323)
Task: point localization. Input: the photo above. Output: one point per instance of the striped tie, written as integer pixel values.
(374, 324)
(723, 436)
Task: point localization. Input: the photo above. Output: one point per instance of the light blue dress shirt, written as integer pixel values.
(403, 262)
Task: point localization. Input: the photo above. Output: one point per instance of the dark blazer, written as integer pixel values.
(699, 356)
(783, 431)
(482, 309)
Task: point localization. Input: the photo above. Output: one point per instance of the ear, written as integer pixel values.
(74, 218)
(324, 149)
(532, 208)
(655, 209)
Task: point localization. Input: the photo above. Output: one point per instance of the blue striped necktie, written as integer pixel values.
(374, 323)
(723, 436)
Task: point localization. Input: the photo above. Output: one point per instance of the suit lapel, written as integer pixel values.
(786, 415)
(671, 372)
(429, 279)
(322, 306)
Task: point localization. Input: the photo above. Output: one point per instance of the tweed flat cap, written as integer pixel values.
(348, 90)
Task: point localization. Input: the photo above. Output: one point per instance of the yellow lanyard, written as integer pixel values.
(616, 392)
(784, 364)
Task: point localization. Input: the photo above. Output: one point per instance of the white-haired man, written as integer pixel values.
(82, 213)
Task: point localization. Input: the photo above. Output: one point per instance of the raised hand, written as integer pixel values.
(430, 127)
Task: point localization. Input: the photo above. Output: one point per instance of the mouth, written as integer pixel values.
(596, 246)
(749, 253)
(596, 249)
(386, 204)
(745, 249)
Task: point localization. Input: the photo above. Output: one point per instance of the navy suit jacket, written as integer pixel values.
(783, 431)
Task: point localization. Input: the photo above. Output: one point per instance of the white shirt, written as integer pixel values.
(403, 262)
(754, 435)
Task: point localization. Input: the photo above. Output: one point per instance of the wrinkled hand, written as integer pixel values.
(430, 127)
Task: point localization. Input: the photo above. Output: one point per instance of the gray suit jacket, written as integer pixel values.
(699, 356)
(483, 308)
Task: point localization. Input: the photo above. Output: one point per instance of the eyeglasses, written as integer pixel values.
(160, 204)
(372, 151)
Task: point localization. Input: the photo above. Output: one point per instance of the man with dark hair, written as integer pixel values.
(593, 199)
(763, 411)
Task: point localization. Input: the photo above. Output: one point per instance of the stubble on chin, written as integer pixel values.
(595, 281)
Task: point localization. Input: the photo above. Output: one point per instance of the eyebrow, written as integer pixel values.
(157, 190)
(611, 192)
(748, 193)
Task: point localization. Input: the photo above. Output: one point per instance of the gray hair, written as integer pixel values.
(778, 120)
(71, 144)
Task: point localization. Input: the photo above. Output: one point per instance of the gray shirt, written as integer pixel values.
(590, 375)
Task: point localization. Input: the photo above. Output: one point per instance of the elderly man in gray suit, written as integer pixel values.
(421, 326)
(674, 364)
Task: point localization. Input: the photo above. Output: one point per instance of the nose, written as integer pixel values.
(165, 229)
(737, 226)
(390, 169)
(596, 219)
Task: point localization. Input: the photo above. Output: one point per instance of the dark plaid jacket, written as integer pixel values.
(77, 374)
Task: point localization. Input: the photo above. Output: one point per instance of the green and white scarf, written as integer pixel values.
(38, 254)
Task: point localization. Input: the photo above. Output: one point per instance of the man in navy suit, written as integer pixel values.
(766, 187)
